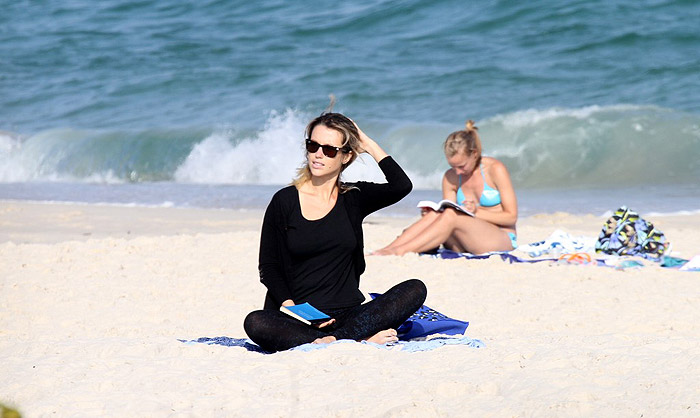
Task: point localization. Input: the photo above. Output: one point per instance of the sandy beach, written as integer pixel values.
(94, 300)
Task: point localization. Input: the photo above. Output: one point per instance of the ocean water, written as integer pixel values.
(591, 105)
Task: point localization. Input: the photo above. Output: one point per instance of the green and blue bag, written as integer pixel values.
(626, 233)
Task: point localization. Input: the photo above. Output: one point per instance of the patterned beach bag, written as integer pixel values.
(626, 233)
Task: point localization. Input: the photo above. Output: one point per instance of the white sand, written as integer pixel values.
(93, 300)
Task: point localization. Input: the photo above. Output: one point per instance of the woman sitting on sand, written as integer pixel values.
(311, 246)
(479, 184)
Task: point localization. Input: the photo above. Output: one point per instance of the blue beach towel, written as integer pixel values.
(568, 249)
(423, 324)
(246, 343)
(510, 258)
(408, 346)
(505, 256)
(559, 242)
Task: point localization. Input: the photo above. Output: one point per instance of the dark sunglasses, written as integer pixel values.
(328, 150)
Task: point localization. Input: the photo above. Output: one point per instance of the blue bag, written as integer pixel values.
(427, 321)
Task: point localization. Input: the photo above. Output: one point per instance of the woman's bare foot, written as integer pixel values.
(384, 337)
(324, 340)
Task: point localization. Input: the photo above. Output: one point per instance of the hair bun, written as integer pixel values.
(470, 126)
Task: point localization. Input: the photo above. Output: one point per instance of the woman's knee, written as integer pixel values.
(426, 220)
(449, 217)
(417, 288)
(253, 322)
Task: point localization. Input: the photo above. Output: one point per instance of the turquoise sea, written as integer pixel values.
(591, 105)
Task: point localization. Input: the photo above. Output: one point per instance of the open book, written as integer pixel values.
(441, 205)
(306, 313)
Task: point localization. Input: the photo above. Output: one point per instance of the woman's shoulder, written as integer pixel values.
(490, 163)
(351, 191)
(285, 192)
(284, 196)
(495, 169)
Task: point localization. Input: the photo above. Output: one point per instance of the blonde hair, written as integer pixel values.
(466, 141)
(351, 144)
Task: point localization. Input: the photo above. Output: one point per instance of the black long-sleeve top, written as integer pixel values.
(275, 258)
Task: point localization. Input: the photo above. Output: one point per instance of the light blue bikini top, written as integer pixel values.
(489, 196)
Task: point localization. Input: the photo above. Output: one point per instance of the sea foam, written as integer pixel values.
(597, 146)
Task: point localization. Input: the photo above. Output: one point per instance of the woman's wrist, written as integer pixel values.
(375, 151)
(370, 146)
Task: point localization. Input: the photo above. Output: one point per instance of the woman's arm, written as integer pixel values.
(508, 216)
(449, 186)
(270, 256)
(375, 196)
(370, 146)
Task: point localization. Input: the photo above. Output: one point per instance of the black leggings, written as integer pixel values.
(273, 330)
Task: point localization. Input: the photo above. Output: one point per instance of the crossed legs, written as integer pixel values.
(274, 331)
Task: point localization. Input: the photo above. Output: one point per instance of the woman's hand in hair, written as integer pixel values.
(369, 146)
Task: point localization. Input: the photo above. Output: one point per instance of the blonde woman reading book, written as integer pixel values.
(482, 186)
(311, 246)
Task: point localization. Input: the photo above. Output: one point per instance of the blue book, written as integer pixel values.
(305, 313)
